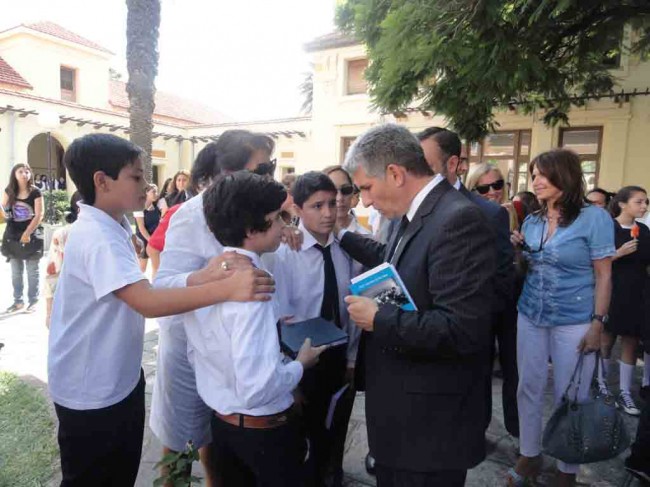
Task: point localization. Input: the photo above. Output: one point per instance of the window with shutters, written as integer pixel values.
(68, 84)
(587, 143)
(356, 81)
(346, 142)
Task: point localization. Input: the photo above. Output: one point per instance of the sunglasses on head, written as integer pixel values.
(484, 188)
(346, 189)
(265, 168)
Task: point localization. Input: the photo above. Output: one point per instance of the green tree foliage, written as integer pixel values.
(463, 58)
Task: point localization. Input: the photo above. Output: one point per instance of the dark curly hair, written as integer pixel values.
(238, 203)
(562, 168)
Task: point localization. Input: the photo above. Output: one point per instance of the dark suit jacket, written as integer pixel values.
(425, 381)
(499, 221)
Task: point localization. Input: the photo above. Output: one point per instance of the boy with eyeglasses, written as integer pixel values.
(240, 371)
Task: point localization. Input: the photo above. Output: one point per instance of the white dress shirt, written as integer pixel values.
(422, 194)
(237, 359)
(300, 282)
(96, 339)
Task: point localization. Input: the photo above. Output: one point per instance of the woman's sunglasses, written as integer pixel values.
(266, 168)
(346, 190)
(484, 188)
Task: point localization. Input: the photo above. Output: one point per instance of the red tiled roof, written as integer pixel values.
(169, 106)
(56, 30)
(330, 41)
(10, 76)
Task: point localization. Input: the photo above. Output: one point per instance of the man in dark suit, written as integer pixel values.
(425, 369)
(442, 150)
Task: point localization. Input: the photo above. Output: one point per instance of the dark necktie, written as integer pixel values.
(330, 307)
(400, 232)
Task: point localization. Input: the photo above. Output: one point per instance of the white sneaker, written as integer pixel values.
(627, 404)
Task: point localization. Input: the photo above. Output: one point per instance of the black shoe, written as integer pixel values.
(32, 307)
(370, 464)
(637, 468)
(15, 307)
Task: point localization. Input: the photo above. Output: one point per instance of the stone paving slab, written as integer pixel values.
(25, 353)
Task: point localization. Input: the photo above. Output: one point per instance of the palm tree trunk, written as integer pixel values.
(142, 23)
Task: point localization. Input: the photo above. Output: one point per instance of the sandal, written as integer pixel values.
(516, 480)
(534, 466)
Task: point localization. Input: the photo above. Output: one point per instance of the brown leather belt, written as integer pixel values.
(257, 422)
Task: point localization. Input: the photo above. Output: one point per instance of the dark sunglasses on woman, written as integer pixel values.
(484, 188)
(346, 189)
(265, 168)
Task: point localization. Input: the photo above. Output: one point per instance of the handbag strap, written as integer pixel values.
(600, 364)
(576, 372)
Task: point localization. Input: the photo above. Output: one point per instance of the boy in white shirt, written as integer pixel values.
(313, 282)
(97, 325)
(240, 372)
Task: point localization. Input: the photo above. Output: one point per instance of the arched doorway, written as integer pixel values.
(37, 159)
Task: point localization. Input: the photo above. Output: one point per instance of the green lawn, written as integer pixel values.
(28, 447)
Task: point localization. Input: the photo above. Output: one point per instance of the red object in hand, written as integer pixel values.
(634, 231)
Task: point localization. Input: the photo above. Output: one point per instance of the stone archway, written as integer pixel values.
(37, 157)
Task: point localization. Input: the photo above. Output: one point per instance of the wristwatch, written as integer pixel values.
(602, 318)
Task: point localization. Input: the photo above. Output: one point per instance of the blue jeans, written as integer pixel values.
(17, 271)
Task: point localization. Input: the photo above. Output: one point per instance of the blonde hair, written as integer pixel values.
(480, 170)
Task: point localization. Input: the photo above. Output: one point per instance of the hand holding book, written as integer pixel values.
(308, 355)
(362, 311)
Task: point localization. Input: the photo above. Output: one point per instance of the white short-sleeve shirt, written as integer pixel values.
(96, 339)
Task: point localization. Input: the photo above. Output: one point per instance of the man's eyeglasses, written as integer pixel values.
(265, 168)
(484, 188)
(346, 190)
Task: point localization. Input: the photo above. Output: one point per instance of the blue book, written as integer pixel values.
(321, 332)
(385, 286)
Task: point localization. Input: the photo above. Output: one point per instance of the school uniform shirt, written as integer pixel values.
(96, 339)
(300, 281)
(237, 359)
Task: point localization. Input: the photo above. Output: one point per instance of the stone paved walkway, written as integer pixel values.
(25, 339)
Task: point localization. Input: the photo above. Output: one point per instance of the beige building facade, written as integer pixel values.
(46, 69)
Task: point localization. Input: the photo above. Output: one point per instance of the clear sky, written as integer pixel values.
(243, 57)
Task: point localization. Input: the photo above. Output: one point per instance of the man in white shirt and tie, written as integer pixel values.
(313, 282)
(240, 371)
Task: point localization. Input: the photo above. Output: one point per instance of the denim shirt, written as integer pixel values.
(560, 284)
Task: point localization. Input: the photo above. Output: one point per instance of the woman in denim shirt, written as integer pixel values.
(568, 246)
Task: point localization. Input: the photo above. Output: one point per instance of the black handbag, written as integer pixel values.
(13, 248)
(586, 432)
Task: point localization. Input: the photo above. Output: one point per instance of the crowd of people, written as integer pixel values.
(553, 276)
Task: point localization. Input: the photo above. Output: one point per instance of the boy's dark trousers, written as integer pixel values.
(252, 457)
(325, 446)
(102, 447)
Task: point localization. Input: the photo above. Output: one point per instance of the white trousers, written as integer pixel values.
(535, 345)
